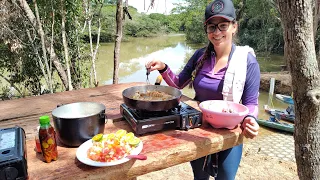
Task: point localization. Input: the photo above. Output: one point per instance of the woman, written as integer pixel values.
(206, 72)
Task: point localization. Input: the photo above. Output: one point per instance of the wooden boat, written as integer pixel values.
(285, 98)
(284, 114)
(274, 124)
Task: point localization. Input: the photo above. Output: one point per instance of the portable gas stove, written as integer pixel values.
(182, 117)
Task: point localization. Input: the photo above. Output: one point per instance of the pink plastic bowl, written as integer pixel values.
(212, 113)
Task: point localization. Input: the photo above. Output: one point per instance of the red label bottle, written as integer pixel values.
(47, 137)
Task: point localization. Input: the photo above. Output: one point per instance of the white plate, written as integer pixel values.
(82, 155)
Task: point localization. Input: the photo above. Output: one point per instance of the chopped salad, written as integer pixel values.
(112, 147)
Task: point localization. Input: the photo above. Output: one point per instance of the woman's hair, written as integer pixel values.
(200, 63)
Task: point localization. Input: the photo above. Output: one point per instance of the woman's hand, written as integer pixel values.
(250, 127)
(155, 65)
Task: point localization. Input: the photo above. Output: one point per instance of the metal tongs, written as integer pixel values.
(148, 72)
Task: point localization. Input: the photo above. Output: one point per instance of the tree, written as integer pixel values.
(119, 21)
(119, 16)
(56, 61)
(260, 26)
(298, 27)
(65, 43)
(193, 18)
(45, 43)
(316, 30)
(45, 33)
(93, 54)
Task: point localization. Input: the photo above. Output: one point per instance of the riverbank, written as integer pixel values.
(282, 82)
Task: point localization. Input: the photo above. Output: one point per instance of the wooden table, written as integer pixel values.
(163, 149)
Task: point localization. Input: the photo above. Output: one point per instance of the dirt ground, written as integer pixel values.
(253, 166)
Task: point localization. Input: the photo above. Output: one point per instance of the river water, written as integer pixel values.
(174, 51)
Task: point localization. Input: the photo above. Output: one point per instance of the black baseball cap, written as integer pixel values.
(220, 8)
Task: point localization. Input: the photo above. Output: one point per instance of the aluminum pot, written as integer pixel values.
(75, 123)
(144, 105)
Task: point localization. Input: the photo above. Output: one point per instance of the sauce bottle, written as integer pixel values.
(47, 137)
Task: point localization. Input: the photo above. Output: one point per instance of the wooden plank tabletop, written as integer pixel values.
(163, 149)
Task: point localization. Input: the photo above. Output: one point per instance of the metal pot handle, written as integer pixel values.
(103, 116)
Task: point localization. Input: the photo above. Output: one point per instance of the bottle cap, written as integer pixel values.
(44, 120)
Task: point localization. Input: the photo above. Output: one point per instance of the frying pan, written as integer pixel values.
(144, 105)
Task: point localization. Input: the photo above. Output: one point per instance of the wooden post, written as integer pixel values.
(271, 91)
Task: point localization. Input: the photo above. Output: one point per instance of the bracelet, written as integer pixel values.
(249, 116)
(164, 69)
(246, 117)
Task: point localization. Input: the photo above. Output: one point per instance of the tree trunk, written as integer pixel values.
(316, 13)
(65, 43)
(63, 76)
(89, 20)
(36, 52)
(94, 56)
(93, 53)
(297, 21)
(51, 45)
(117, 44)
(47, 73)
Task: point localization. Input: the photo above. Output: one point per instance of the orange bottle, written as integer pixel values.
(47, 137)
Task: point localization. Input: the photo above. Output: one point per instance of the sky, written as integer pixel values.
(160, 6)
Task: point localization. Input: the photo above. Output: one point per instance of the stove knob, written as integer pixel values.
(184, 122)
(9, 173)
(190, 122)
(196, 121)
(188, 127)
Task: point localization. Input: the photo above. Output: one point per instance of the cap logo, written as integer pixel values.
(217, 7)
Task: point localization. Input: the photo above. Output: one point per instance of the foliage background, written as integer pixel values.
(259, 27)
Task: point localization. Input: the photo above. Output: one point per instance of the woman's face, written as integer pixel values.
(220, 31)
